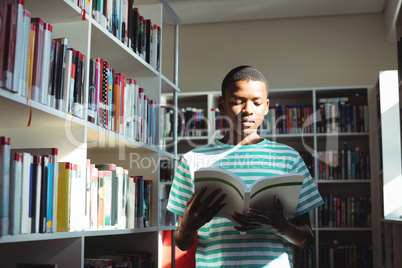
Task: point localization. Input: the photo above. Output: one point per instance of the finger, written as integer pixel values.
(219, 200)
(200, 194)
(215, 210)
(278, 203)
(211, 197)
(190, 200)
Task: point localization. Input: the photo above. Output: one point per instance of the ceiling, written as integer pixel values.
(212, 11)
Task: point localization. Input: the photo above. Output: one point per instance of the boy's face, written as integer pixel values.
(245, 105)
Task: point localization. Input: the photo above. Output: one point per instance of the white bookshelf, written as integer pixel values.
(78, 140)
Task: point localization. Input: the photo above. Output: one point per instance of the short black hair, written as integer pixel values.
(242, 73)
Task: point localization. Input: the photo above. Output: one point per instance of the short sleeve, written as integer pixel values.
(182, 188)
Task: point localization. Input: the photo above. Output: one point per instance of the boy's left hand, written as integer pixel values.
(271, 220)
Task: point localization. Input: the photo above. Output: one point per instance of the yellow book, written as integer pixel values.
(63, 196)
(30, 61)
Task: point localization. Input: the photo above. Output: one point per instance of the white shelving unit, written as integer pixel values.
(312, 142)
(78, 140)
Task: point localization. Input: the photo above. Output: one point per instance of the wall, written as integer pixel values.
(292, 53)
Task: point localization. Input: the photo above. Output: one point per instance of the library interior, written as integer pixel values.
(109, 107)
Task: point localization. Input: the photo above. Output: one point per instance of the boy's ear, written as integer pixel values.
(221, 104)
(267, 108)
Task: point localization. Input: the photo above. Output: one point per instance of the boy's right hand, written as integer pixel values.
(198, 213)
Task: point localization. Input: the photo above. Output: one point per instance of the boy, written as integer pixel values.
(269, 235)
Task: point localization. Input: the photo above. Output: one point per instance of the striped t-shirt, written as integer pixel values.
(219, 244)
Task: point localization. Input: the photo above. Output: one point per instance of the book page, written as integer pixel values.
(226, 180)
(287, 187)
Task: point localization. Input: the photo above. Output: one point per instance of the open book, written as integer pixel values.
(259, 195)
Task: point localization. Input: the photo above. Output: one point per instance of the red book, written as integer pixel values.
(122, 101)
(116, 103)
(37, 60)
(9, 49)
(3, 19)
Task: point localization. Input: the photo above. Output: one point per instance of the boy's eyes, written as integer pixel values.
(241, 102)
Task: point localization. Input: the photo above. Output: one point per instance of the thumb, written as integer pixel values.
(278, 203)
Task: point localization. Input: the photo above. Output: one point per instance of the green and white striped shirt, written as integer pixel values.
(219, 244)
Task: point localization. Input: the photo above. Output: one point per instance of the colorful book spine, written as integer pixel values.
(4, 184)
(15, 194)
(37, 94)
(9, 50)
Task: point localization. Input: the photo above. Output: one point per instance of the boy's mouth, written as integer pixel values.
(247, 122)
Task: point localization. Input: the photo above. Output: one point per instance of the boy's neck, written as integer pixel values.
(233, 139)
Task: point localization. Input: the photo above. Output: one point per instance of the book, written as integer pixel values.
(18, 46)
(31, 52)
(15, 193)
(4, 183)
(139, 202)
(27, 162)
(36, 193)
(259, 195)
(61, 71)
(67, 81)
(37, 94)
(46, 65)
(54, 61)
(9, 50)
(63, 196)
(3, 24)
(130, 203)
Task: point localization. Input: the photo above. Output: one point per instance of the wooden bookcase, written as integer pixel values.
(367, 236)
(78, 140)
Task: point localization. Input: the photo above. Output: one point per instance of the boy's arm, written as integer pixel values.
(298, 233)
(196, 214)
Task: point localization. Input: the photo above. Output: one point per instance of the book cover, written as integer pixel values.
(4, 183)
(71, 91)
(60, 71)
(139, 202)
(147, 203)
(15, 194)
(54, 57)
(44, 194)
(259, 195)
(36, 193)
(130, 203)
(9, 50)
(37, 94)
(63, 196)
(46, 65)
(124, 21)
(101, 200)
(31, 52)
(3, 24)
(67, 80)
(148, 34)
(27, 162)
(19, 40)
(94, 199)
(92, 92)
(77, 107)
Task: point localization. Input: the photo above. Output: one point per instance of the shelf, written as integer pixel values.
(68, 235)
(342, 181)
(41, 116)
(392, 221)
(167, 228)
(55, 11)
(327, 229)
